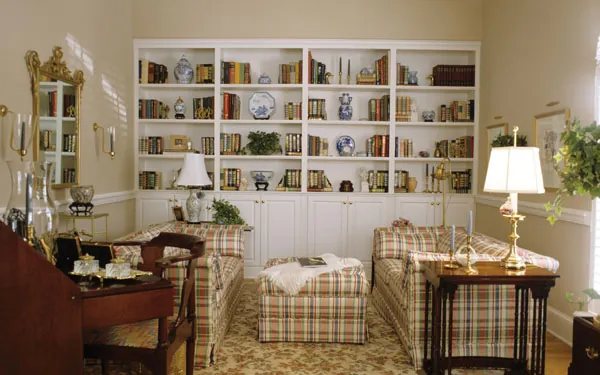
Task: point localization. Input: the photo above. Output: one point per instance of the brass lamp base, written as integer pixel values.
(513, 260)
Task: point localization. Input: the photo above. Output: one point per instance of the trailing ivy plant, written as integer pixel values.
(508, 141)
(577, 164)
(263, 143)
(590, 295)
(226, 213)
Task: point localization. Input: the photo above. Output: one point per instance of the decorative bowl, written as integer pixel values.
(261, 105)
(82, 194)
(261, 176)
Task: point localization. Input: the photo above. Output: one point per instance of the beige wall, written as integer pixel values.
(103, 31)
(535, 52)
(353, 19)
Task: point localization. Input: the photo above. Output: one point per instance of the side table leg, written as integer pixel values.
(444, 328)
(451, 294)
(426, 331)
(538, 345)
(517, 320)
(436, 325)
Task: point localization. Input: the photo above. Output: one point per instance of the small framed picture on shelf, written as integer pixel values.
(179, 142)
(178, 212)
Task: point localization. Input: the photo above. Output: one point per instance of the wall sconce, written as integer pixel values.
(24, 125)
(112, 133)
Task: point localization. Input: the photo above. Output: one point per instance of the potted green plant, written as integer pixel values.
(263, 143)
(508, 140)
(577, 165)
(225, 213)
(590, 295)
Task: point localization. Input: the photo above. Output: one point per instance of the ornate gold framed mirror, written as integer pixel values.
(56, 93)
(547, 128)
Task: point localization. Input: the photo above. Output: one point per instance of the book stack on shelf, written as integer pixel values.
(231, 178)
(293, 144)
(208, 145)
(318, 181)
(68, 175)
(231, 106)
(205, 73)
(233, 72)
(460, 182)
(204, 108)
(404, 148)
(290, 73)
(316, 109)
(403, 107)
(69, 143)
(454, 75)
(317, 146)
(379, 109)
(377, 146)
(316, 70)
(290, 181)
(401, 74)
(151, 145)
(461, 147)
(400, 181)
(151, 72)
(292, 111)
(149, 180)
(231, 144)
(69, 105)
(150, 109)
(458, 111)
(46, 137)
(378, 181)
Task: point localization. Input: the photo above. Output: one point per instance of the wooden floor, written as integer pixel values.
(558, 356)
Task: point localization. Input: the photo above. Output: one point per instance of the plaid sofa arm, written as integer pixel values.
(395, 242)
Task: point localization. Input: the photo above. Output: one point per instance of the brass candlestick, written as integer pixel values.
(468, 268)
(30, 235)
(453, 264)
(427, 185)
(348, 78)
(340, 78)
(513, 260)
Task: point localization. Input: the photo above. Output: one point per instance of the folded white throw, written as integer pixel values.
(291, 277)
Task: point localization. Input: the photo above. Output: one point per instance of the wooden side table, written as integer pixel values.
(445, 282)
(586, 348)
(92, 218)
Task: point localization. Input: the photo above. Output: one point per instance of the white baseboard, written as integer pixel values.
(560, 325)
(99, 200)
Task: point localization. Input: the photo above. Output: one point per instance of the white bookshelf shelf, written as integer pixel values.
(174, 121)
(430, 160)
(263, 122)
(437, 124)
(435, 88)
(261, 87)
(260, 157)
(177, 86)
(348, 158)
(350, 123)
(338, 87)
(170, 156)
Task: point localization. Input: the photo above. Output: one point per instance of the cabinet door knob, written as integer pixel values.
(438, 203)
(592, 353)
(256, 201)
(349, 202)
(170, 199)
(431, 203)
(344, 202)
(263, 201)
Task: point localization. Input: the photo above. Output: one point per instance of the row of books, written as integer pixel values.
(403, 148)
(316, 71)
(293, 144)
(69, 143)
(230, 143)
(318, 181)
(46, 143)
(316, 109)
(292, 111)
(151, 72)
(454, 75)
(377, 145)
(150, 109)
(317, 146)
(68, 175)
(205, 73)
(378, 181)
(401, 181)
(403, 108)
(381, 71)
(149, 180)
(233, 72)
(379, 109)
(204, 108)
(290, 73)
(458, 111)
(460, 182)
(401, 74)
(462, 147)
(231, 178)
(69, 103)
(151, 145)
(290, 181)
(231, 106)
(207, 145)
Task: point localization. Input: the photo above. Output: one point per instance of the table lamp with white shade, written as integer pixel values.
(514, 170)
(193, 175)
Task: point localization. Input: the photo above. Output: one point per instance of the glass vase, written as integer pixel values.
(45, 215)
(15, 215)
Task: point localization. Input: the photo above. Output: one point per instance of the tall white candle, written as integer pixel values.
(111, 139)
(470, 224)
(29, 199)
(452, 238)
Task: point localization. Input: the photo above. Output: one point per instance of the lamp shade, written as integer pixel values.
(514, 170)
(193, 172)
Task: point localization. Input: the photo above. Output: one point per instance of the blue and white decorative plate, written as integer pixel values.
(261, 105)
(345, 145)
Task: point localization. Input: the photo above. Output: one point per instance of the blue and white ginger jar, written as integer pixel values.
(184, 71)
(345, 111)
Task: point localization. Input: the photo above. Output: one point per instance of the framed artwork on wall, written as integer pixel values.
(492, 131)
(547, 128)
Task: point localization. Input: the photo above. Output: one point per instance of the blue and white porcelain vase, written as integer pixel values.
(345, 107)
(184, 71)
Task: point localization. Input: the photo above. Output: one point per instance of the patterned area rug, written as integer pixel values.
(242, 354)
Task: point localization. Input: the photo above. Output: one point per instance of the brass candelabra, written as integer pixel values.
(468, 268)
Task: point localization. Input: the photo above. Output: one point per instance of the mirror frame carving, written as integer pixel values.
(55, 68)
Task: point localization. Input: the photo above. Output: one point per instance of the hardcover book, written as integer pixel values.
(312, 262)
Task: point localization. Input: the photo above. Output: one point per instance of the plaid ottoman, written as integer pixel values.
(329, 308)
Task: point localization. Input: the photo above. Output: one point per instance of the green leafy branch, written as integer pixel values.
(509, 141)
(226, 213)
(263, 143)
(590, 293)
